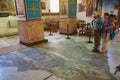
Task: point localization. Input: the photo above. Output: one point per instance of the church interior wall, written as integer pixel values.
(46, 15)
(107, 6)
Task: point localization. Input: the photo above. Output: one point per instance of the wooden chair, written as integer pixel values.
(117, 27)
(88, 29)
(81, 26)
(54, 25)
(85, 29)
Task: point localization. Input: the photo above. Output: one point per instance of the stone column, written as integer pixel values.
(30, 24)
(68, 10)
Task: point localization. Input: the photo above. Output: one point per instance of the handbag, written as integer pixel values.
(112, 36)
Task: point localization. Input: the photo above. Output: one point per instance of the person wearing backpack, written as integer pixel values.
(108, 24)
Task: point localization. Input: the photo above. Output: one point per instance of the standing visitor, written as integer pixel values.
(107, 27)
(96, 25)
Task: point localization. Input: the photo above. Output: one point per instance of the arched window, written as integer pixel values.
(54, 6)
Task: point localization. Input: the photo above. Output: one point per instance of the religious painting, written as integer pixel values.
(33, 10)
(100, 6)
(20, 7)
(11, 4)
(82, 6)
(43, 5)
(72, 8)
(89, 8)
(7, 5)
(63, 8)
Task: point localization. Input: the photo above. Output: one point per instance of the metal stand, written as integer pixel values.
(117, 69)
(68, 32)
(89, 37)
(50, 31)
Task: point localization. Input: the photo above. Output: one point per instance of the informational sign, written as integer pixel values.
(33, 10)
(72, 8)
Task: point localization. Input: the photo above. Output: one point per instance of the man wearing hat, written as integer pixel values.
(96, 24)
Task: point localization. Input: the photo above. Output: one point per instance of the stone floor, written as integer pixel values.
(58, 59)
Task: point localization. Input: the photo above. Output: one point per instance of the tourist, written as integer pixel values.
(107, 27)
(96, 25)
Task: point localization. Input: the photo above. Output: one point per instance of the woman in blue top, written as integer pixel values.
(96, 25)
